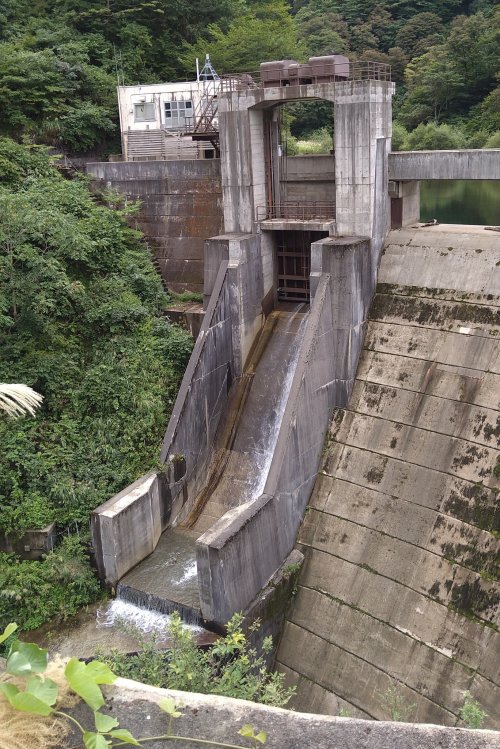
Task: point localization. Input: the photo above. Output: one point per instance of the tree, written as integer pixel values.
(432, 137)
(267, 33)
(419, 33)
(432, 84)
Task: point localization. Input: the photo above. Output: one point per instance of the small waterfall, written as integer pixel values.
(270, 437)
(119, 611)
(144, 605)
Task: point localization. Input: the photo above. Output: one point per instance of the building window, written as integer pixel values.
(144, 112)
(178, 114)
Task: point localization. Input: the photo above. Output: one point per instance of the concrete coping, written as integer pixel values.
(119, 502)
(220, 718)
(231, 523)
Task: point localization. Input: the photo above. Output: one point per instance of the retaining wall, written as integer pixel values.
(127, 527)
(181, 207)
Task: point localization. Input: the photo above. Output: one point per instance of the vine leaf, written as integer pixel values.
(104, 723)
(84, 679)
(168, 706)
(43, 689)
(124, 736)
(26, 658)
(95, 741)
(24, 701)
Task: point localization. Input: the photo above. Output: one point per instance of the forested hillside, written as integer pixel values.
(80, 322)
(59, 59)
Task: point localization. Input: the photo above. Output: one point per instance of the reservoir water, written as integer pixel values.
(460, 201)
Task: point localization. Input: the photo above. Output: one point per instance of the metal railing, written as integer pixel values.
(297, 211)
(365, 70)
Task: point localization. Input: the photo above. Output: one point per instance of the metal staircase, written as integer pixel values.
(205, 126)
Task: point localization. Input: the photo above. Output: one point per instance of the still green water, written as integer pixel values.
(460, 201)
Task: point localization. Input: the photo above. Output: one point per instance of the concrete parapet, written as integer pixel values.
(481, 163)
(220, 718)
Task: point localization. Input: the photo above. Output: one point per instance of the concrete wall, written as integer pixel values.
(400, 584)
(219, 719)
(240, 553)
(308, 178)
(362, 117)
(472, 164)
(181, 207)
(127, 527)
(405, 203)
(201, 398)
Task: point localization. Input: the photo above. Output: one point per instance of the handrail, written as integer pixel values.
(297, 211)
(364, 70)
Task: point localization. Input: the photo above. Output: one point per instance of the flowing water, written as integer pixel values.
(167, 579)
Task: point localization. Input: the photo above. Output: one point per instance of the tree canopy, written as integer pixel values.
(59, 60)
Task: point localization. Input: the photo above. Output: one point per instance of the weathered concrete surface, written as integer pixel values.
(481, 163)
(33, 544)
(362, 127)
(308, 178)
(241, 551)
(127, 527)
(181, 207)
(405, 203)
(401, 541)
(220, 718)
(442, 257)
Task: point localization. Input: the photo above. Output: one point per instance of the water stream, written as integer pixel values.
(167, 580)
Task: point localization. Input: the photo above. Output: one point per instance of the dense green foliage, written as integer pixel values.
(79, 305)
(230, 667)
(80, 322)
(33, 592)
(59, 58)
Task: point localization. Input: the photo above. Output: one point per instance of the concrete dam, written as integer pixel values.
(338, 365)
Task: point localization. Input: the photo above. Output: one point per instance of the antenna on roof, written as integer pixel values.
(207, 72)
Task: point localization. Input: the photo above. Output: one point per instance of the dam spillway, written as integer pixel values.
(242, 454)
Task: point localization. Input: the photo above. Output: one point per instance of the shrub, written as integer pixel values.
(230, 667)
(33, 592)
(432, 137)
(471, 713)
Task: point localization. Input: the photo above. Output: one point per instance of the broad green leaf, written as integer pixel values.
(124, 736)
(80, 682)
(44, 689)
(261, 737)
(26, 658)
(95, 741)
(100, 673)
(168, 706)
(104, 723)
(9, 629)
(9, 690)
(28, 703)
